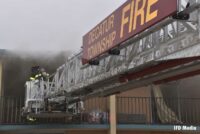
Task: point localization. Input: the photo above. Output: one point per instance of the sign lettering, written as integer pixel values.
(133, 17)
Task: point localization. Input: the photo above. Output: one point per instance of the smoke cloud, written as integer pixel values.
(17, 66)
(41, 25)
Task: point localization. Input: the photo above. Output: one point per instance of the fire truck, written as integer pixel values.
(160, 47)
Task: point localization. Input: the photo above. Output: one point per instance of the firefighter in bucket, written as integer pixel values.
(37, 73)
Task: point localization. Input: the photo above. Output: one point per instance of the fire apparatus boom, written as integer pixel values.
(168, 50)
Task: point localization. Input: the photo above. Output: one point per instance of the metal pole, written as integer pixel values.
(113, 121)
(1, 109)
(12, 110)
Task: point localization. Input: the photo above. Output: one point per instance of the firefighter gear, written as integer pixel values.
(37, 76)
(37, 73)
(31, 119)
(44, 74)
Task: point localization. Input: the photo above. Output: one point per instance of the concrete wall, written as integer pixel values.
(86, 132)
(118, 132)
(140, 132)
(99, 132)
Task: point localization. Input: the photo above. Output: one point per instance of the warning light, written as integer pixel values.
(94, 62)
(114, 51)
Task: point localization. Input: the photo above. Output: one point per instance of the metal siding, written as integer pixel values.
(1, 74)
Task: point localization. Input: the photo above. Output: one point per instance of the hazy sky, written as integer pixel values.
(50, 24)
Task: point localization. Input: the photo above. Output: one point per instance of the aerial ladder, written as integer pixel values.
(167, 51)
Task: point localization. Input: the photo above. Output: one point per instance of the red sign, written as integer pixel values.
(133, 17)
